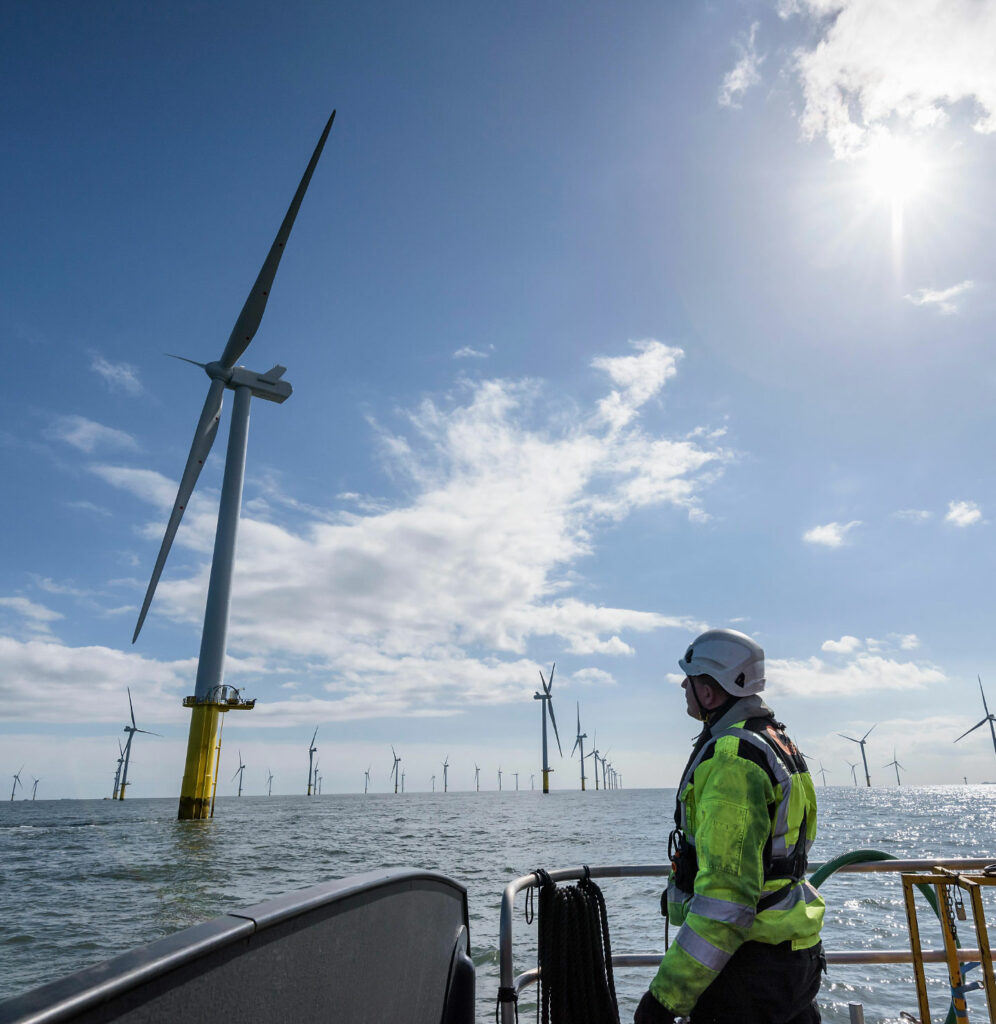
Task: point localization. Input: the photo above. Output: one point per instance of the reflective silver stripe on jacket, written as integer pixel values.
(676, 895)
(701, 949)
(801, 893)
(722, 910)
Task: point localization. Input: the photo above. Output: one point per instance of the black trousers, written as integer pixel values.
(764, 984)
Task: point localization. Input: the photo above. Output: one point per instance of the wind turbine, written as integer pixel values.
(477, 777)
(394, 770)
(499, 780)
(210, 698)
(269, 781)
(366, 780)
(34, 788)
(546, 699)
(990, 718)
(861, 743)
(446, 766)
(594, 753)
(117, 774)
(854, 770)
(131, 730)
(898, 766)
(17, 782)
(579, 742)
(240, 773)
(311, 753)
(823, 772)
(434, 783)
(516, 774)
(531, 781)
(402, 781)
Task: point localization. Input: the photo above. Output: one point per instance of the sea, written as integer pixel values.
(82, 881)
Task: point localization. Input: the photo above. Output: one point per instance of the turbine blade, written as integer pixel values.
(863, 738)
(575, 747)
(974, 727)
(147, 733)
(252, 312)
(131, 709)
(207, 428)
(184, 359)
(313, 735)
(553, 719)
(983, 692)
(553, 668)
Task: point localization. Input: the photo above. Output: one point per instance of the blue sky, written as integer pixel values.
(605, 324)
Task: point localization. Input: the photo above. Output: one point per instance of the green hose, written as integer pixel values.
(822, 874)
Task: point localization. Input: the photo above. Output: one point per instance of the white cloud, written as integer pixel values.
(744, 73)
(845, 645)
(27, 609)
(913, 515)
(593, 677)
(943, 298)
(433, 603)
(117, 376)
(877, 64)
(87, 435)
(963, 513)
(907, 641)
(471, 353)
(831, 535)
(866, 673)
(638, 377)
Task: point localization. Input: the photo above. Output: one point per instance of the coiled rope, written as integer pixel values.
(575, 954)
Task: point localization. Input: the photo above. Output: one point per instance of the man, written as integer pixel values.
(748, 948)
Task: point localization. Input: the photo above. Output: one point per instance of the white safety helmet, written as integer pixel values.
(734, 660)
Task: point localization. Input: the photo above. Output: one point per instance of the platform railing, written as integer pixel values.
(510, 982)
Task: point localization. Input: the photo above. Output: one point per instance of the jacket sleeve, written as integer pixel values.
(731, 826)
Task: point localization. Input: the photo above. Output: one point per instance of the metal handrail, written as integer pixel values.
(510, 982)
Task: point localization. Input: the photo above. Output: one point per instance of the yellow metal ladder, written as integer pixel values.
(949, 886)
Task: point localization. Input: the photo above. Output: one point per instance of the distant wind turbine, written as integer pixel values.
(446, 768)
(210, 698)
(990, 718)
(394, 771)
(131, 730)
(861, 743)
(499, 781)
(898, 766)
(854, 770)
(117, 773)
(366, 780)
(269, 782)
(240, 773)
(17, 782)
(823, 772)
(531, 778)
(402, 782)
(516, 774)
(593, 753)
(546, 699)
(312, 749)
(579, 742)
(477, 777)
(434, 783)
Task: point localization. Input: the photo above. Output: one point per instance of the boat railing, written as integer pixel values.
(512, 984)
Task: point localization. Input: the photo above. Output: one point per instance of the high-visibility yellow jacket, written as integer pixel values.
(747, 805)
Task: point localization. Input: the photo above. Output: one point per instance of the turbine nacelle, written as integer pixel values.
(262, 385)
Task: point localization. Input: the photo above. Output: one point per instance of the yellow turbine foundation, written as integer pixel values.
(198, 773)
(546, 780)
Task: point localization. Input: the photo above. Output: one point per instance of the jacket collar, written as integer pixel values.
(739, 711)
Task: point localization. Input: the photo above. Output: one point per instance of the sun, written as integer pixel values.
(895, 170)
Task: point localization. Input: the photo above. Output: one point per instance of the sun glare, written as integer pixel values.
(896, 170)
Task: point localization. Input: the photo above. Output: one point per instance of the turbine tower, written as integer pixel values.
(434, 783)
(117, 773)
(516, 774)
(311, 753)
(477, 777)
(861, 743)
(402, 781)
(394, 771)
(34, 788)
(579, 742)
(131, 730)
(17, 782)
(269, 782)
(366, 780)
(594, 754)
(990, 718)
(240, 773)
(897, 765)
(546, 699)
(211, 697)
(531, 781)
(446, 768)
(499, 781)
